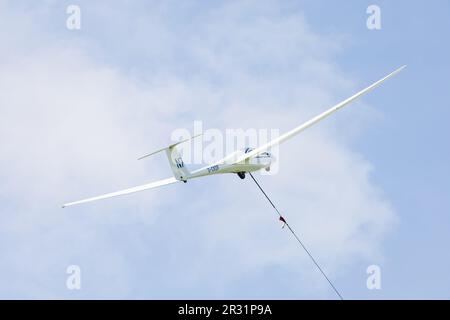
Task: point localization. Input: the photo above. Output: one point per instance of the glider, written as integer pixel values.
(239, 162)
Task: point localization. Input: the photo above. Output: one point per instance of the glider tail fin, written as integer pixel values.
(180, 172)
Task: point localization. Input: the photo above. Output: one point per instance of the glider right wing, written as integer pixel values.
(316, 119)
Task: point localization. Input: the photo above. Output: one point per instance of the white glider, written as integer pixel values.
(238, 162)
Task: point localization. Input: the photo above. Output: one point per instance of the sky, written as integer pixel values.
(367, 187)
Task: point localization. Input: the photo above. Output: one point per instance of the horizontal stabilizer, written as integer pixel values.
(169, 147)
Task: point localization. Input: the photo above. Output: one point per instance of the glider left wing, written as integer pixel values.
(147, 186)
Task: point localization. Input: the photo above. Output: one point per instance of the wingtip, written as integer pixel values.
(401, 68)
(395, 72)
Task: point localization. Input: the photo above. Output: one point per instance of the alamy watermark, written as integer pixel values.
(374, 20)
(373, 282)
(214, 144)
(73, 281)
(73, 21)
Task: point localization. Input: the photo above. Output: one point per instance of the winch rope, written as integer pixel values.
(282, 219)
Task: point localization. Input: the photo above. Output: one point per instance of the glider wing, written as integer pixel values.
(126, 191)
(314, 120)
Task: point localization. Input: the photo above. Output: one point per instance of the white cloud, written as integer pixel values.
(71, 126)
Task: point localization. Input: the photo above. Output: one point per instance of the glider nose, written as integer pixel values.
(272, 157)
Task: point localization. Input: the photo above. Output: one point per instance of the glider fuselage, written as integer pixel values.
(255, 163)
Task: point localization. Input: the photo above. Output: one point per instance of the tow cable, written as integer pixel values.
(285, 224)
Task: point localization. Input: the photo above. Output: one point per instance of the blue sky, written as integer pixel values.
(368, 186)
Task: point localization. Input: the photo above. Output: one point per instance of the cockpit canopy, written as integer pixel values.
(261, 155)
